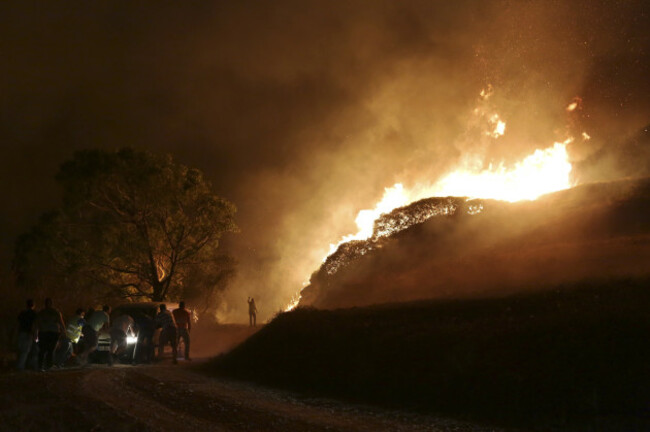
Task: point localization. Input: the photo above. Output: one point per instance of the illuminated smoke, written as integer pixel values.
(542, 172)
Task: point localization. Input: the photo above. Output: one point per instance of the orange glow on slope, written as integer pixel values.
(393, 198)
(542, 172)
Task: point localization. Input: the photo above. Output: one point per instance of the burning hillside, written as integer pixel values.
(461, 191)
(450, 247)
(482, 227)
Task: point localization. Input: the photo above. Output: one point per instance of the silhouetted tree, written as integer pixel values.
(132, 224)
(206, 280)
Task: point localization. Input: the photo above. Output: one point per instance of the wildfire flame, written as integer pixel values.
(393, 198)
(543, 171)
(499, 127)
(576, 103)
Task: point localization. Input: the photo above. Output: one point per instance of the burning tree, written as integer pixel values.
(132, 224)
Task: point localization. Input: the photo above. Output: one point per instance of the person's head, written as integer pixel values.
(30, 304)
(106, 308)
(163, 307)
(48, 302)
(80, 312)
(181, 305)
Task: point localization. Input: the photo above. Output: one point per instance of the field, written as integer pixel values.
(566, 358)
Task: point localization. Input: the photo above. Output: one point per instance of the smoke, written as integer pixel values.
(302, 113)
(595, 232)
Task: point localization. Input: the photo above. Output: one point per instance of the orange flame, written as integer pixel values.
(543, 171)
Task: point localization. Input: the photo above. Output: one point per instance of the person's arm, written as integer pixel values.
(135, 328)
(157, 321)
(107, 323)
(131, 328)
(61, 323)
(173, 319)
(35, 329)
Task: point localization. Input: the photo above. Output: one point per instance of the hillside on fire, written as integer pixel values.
(449, 248)
(533, 314)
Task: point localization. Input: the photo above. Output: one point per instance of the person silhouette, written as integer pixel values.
(252, 312)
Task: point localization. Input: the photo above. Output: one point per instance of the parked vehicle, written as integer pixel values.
(142, 312)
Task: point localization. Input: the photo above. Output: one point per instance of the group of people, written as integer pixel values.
(45, 340)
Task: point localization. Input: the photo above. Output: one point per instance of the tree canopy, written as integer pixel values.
(131, 224)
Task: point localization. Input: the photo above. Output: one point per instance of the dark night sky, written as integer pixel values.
(302, 112)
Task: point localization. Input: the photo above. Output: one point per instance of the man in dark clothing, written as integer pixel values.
(146, 328)
(252, 312)
(27, 349)
(183, 319)
(165, 320)
(49, 324)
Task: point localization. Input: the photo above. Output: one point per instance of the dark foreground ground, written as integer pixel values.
(181, 398)
(575, 358)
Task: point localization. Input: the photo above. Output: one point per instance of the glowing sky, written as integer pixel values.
(301, 113)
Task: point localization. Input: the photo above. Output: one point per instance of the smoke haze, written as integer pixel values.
(301, 113)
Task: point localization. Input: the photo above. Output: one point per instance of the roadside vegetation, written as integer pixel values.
(131, 225)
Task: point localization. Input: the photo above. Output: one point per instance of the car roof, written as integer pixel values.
(146, 304)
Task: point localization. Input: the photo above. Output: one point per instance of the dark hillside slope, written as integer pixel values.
(570, 358)
(591, 232)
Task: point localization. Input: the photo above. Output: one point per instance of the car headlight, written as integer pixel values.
(131, 339)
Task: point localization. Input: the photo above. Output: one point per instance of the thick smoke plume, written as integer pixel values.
(301, 113)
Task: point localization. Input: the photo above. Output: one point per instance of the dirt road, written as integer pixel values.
(180, 398)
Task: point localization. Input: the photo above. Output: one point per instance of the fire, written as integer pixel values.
(393, 198)
(544, 171)
(576, 103)
(499, 127)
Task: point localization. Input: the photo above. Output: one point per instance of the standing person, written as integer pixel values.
(97, 321)
(165, 320)
(71, 337)
(252, 312)
(146, 328)
(49, 324)
(183, 319)
(27, 349)
(121, 328)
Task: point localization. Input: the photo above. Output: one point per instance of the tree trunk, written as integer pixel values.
(158, 292)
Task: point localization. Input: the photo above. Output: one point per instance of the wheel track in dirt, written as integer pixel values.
(179, 398)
